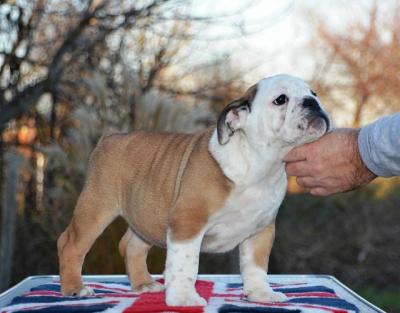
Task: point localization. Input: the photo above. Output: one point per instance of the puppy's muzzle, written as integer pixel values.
(315, 114)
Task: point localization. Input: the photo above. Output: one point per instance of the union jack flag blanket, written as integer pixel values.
(222, 295)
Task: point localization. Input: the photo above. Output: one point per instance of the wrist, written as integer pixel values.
(362, 173)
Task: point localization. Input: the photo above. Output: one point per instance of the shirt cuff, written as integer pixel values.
(366, 150)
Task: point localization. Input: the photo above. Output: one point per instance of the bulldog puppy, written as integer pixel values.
(208, 191)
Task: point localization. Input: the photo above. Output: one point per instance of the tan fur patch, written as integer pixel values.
(136, 175)
(204, 190)
(145, 171)
(262, 245)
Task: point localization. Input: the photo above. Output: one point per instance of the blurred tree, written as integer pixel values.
(72, 70)
(359, 68)
(40, 44)
(353, 236)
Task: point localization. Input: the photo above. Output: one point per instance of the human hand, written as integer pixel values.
(332, 164)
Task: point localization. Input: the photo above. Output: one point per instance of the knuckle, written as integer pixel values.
(319, 167)
(323, 192)
(300, 181)
(289, 168)
(292, 169)
(316, 192)
(312, 149)
(305, 182)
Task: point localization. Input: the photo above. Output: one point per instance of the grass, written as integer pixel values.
(387, 299)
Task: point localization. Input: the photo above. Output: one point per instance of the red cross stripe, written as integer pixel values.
(155, 302)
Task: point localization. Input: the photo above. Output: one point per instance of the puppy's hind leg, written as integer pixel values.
(93, 213)
(134, 251)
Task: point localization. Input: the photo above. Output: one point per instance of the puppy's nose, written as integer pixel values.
(311, 104)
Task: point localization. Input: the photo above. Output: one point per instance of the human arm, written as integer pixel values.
(347, 158)
(379, 146)
(329, 165)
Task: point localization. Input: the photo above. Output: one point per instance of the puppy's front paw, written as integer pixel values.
(266, 296)
(85, 292)
(154, 286)
(184, 298)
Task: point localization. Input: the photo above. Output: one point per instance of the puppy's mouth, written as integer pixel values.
(315, 116)
(318, 121)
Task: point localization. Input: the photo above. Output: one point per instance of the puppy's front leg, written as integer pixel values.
(254, 256)
(181, 271)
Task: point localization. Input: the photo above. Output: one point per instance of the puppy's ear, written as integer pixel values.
(234, 115)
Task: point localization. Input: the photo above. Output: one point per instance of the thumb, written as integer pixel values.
(296, 154)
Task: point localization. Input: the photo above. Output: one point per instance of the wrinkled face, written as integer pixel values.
(280, 108)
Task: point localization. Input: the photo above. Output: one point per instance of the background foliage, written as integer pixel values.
(71, 71)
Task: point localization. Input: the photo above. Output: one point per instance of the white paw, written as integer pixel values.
(154, 286)
(266, 296)
(85, 292)
(185, 298)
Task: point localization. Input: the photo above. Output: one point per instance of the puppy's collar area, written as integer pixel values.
(245, 163)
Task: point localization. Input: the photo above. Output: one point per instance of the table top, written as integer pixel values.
(325, 280)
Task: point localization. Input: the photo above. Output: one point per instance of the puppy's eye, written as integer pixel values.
(282, 99)
(313, 93)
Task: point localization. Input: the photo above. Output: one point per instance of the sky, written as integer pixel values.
(278, 32)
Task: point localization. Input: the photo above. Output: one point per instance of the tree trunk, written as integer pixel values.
(53, 116)
(132, 110)
(357, 116)
(12, 163)
(359, 110)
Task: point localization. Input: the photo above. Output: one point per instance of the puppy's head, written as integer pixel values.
(280, 108)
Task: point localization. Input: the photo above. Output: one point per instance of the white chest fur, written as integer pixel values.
(245, 213)
(253, 204)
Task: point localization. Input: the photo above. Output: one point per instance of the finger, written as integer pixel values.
(307, 182)
(296, 154)
(320, 192)
(300, 168)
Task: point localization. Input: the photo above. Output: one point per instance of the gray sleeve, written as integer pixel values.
(379, 146)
